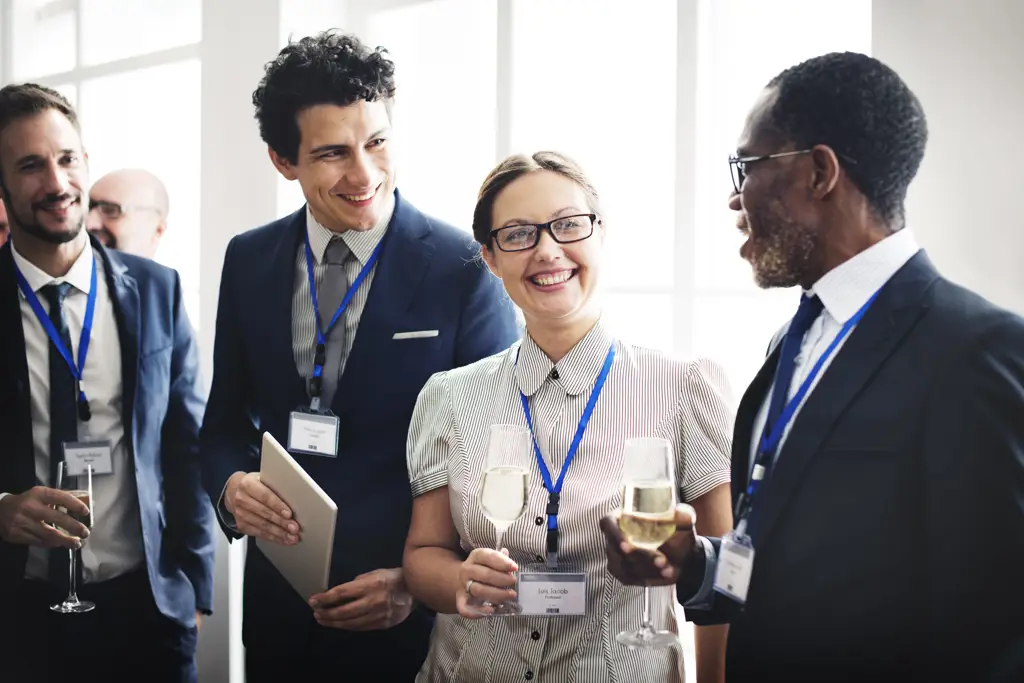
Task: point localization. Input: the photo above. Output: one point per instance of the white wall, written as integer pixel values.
(963, 60)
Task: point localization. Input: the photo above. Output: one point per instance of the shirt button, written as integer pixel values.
(539, 558)
(539, 521)
(554, 373)
(535, 635)
(529, 676)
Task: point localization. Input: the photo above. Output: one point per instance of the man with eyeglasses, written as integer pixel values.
(878, 455)
(128, 211)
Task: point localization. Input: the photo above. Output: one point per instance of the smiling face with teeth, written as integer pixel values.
(44, 173)
(553, 284)
(344, 163)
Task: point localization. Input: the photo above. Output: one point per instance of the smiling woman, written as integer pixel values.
(583, 391)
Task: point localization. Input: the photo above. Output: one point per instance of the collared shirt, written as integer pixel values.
(115, 544)
(843, 291)
(361, 244)
(646, 394)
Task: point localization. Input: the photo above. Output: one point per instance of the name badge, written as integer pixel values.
(735, 566)
(313, 433)
(546, 593)
(80, 454)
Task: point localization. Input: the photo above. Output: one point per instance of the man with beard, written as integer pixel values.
(98, 367)
(878, 462)
(128, 211)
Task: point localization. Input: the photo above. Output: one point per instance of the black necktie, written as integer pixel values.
(808, 311)
(63, 412)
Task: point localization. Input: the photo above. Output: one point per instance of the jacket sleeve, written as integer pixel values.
(189, 515)
(229, 439)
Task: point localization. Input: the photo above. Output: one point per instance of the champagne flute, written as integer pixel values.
(81, 488)
(647, 519)
(503, 487)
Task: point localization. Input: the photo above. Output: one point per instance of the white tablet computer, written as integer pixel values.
(307, 564)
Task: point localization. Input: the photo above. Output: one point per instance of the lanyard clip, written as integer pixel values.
(552, 547)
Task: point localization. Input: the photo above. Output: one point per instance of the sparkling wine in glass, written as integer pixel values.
(503, 491)
(647, 519)
(81, 488)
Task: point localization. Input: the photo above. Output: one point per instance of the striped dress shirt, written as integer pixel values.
(646, 394)
(361, 244)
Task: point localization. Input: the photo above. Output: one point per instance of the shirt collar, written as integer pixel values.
(360, 243)
(79, 276)
(577, 371)
(846, 288)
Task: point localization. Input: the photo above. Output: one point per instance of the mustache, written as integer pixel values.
(741, 223)
(51, 199)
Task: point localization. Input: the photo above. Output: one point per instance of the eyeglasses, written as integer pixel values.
(738, 165)
(113, 211)
(564, 230)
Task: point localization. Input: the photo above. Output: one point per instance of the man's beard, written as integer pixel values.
(781, 249)
(32, 227)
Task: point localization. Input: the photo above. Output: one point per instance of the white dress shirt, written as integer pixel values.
(115, 543)
(843, 291)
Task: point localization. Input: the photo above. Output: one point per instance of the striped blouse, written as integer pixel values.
(646, 394)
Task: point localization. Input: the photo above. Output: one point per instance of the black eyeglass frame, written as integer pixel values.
(541, 227)
(738, 165)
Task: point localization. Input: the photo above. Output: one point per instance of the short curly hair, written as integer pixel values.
(328, 68)
(865, 112)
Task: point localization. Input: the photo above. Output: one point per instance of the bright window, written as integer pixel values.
(44, 38)
(117, 29)
(150, 118)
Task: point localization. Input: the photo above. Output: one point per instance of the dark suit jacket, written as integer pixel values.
(427, 279)
(163, 405)
(890, 535)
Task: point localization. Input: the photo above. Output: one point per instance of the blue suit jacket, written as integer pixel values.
(428, 278)
(163, 405)
(891, 531)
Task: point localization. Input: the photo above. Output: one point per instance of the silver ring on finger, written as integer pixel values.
(469, 584)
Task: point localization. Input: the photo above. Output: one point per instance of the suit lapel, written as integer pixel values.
(403, 263)
(898, 307)
(17, 466)
(743, 431)
(278, 295)
(124, 296)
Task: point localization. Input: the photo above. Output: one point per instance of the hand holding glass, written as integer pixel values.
(647, 519)
(503, 486)
(81, 488)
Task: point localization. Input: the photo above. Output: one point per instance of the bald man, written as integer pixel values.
(128, 211)
(4, 228)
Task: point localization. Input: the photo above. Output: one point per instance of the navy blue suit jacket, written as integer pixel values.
(163, 406)
(428, 278)
(891, 533)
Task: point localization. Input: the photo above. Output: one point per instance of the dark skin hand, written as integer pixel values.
(681, 557)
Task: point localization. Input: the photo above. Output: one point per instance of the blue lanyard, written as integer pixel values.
(83, 343)
(772, 434)
(555, 489)
(320, 355)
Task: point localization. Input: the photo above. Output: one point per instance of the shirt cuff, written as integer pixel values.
(705, 596)
(226, 518)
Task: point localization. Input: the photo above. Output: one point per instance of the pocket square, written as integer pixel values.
(420, 334)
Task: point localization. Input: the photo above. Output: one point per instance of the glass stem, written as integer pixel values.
(499, 534)
(72, 588)
(647, 609)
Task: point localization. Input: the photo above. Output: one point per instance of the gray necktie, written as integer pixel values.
(332, 290)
